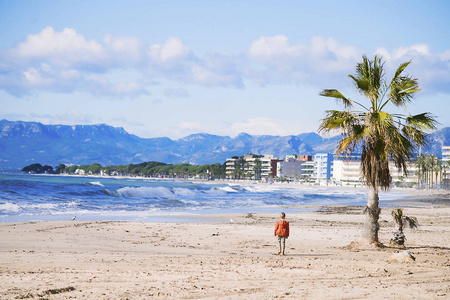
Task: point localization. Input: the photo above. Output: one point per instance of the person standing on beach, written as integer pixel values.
(282, 231)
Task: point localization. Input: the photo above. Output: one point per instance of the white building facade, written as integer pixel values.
(323, 166)
(347, 171)
(249, 166)
(446, 165)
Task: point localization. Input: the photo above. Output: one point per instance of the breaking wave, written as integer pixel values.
(98, 183)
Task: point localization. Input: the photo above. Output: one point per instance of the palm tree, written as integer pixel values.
(430, 164)
(401, 220)
(257, 169)
(246, 170)
(420, 163)
(438, 171)
(381, 135)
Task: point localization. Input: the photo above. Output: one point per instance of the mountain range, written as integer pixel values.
(24, 143)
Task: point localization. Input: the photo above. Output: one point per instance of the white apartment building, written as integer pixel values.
(445, 153)
(308, 170)
(446, 161)
(229, 166)
(347, 171)
(266, 166)
(323, 166)
(249, 165)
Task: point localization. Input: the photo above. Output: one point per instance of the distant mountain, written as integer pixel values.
(24, 143)
(438, 139)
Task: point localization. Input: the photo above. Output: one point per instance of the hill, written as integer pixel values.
(25, 143)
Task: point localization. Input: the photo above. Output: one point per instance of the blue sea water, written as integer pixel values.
(25, 198)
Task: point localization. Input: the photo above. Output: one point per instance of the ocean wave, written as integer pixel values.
(185, 192)
(215, 192)
(40, 206)
(260, 189)
(9, 207)
(230, 189)
(169, 203)
(98, 183)
(141, 192)
(71, 204)
(163, 192)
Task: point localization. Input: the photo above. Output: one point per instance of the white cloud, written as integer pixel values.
(127, 48)
(102, 87)
(34, 78)
(67, 61)
(170, 52)
(265, 49)
(66, 48)
(217, 69)
(277, 60)
(412, 51)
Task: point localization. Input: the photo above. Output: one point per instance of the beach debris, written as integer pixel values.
(215, 234)
(403, 256)
(249, 215)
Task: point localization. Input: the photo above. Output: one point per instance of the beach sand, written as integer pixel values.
(229, 260)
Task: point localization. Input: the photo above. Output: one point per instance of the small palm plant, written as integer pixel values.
(402, 220)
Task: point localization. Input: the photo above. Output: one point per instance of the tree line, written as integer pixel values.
(145, 169)
(430, 170)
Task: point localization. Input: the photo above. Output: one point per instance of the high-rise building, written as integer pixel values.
(323, 166)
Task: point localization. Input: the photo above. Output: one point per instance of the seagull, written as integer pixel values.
(73, 219)
(231, 221)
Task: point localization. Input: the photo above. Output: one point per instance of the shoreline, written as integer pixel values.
(392, 198)
(141, 260)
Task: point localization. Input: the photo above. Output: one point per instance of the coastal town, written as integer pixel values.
(331, 169)
(327, 169)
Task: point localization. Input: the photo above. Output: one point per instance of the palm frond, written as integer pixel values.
(411, 222)
(369, 78)
(336, 119)
(349, 143)
(337, 95)
(400, 70)
(397, 215)
(402, 90)
(424, 121)
(361, 84)
(415, 135)
(400, 148)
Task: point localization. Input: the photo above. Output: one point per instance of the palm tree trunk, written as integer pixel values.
(371, 227)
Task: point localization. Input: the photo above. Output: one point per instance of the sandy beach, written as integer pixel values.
(229, 260)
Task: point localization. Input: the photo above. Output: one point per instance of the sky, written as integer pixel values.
(175, 68)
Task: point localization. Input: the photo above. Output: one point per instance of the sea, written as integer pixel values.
(32, 198)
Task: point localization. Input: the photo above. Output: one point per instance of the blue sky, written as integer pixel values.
(174, 68)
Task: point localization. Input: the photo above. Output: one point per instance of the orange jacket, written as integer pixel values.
(282, 228)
